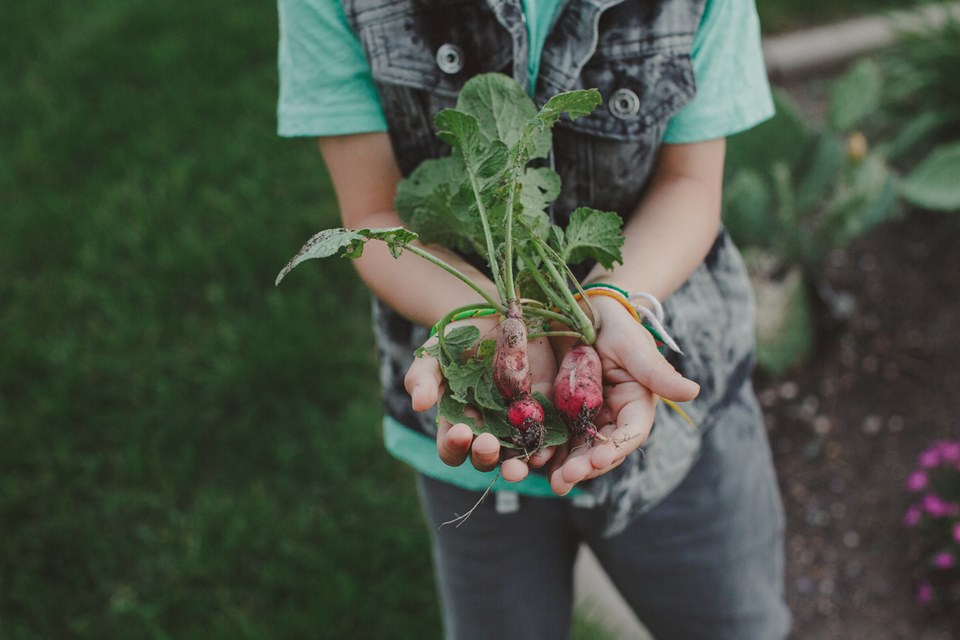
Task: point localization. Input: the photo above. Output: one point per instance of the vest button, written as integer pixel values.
(450, 58)
(624, 104)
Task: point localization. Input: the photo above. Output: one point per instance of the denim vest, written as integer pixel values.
(637, 53)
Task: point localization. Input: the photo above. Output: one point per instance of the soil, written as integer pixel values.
(846, 428)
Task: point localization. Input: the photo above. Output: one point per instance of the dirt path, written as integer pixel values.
(847, 427)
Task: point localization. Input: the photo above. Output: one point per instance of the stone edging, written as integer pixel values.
(793, 55)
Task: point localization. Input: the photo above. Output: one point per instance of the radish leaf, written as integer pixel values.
(593, 234)
(348, 243)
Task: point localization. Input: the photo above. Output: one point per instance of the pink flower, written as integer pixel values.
(956, 532)
(943, 560)
(930, 458)
(924, 593)
(950, 451)
(912, 517)
(917, 481)
(935, 505)
(938, 507)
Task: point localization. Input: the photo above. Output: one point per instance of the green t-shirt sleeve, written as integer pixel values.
(733, 93)
(325, 83)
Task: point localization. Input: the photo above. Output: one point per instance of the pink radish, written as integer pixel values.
(578, 391)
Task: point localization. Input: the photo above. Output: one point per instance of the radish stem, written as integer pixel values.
(487, 234)
(452, 270)
(445, 320)
(584, 323)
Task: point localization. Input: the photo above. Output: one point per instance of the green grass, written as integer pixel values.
(788, 15)
(187, 452)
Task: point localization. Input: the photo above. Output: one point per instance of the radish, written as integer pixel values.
(511, 368)
(526, 416)
(511, 374)
(578, 391)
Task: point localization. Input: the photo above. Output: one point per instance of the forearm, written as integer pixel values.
(675, 224)
(365, 176)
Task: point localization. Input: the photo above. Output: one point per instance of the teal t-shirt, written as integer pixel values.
(326, 89)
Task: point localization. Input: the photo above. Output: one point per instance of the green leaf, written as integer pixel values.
(348, 243)
(593, 234)
(934, 183)
(786, 137)
(436, 201)
(556, 430)
(462, 131)
(862, 200)
(470, 379)
(822, 172)
(574, 103)
(856, 95)
(468, 371)
(747, 209)
(461, 339)
(919, 131)
(538, 188)
(500, 106)
(535, 142)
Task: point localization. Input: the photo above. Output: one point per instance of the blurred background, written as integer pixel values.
(187, 451)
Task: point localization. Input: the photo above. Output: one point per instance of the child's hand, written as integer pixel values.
(455, 442)
(634, 374)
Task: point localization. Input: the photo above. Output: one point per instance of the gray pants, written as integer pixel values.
(707, 562)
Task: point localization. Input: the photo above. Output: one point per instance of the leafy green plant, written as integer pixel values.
(794, 193)
(483, 198)
(923, 108)
(920, 106)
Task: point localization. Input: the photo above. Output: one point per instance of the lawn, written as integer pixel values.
(187, 451)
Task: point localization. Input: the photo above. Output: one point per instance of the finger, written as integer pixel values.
(633, 427)
(543, 365)
(658, 375)
(423, 382)
(573, 470)
(541, 457)
(485, 452)
(618, 396)
(514, 470)
(606, 415)
(453, 442)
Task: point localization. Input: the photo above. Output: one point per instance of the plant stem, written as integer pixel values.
(549, 315)
(595, 317)
(585, 323)
(548, 334)
(487, 234)
(445, 320)
(452, 270)
(547, 289)
(508, 239)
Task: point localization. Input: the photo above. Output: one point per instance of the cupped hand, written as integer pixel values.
(456, 442)
(635, 374)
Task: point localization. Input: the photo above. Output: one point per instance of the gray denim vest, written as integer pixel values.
(637, 53)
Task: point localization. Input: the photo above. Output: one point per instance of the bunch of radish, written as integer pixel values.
(484, 199)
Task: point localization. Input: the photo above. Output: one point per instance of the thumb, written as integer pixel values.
(656, 374)
(423, 382)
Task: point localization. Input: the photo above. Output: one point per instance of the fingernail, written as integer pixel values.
(413, 394)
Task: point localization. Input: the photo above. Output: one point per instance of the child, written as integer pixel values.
(690, 529)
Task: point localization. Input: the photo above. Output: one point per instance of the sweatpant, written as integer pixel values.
(707, 562)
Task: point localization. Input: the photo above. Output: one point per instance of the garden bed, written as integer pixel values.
(846, 429)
